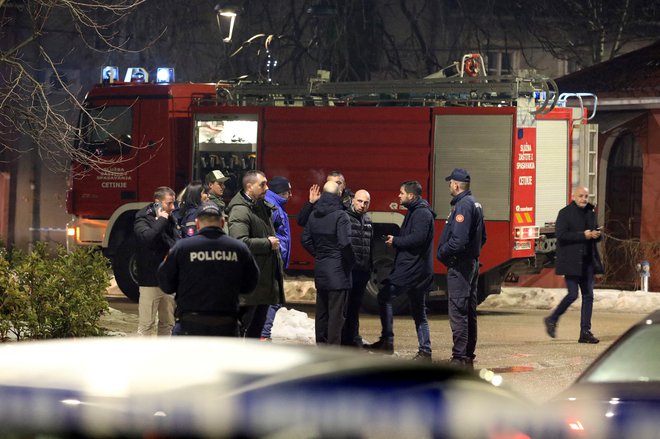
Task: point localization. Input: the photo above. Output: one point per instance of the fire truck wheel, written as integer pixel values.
(383, 261)
(124, 267)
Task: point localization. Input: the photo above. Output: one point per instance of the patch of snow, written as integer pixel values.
(292, 326)
(548, 298)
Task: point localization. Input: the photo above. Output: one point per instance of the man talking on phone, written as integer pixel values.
(578, 260)
(156, 231)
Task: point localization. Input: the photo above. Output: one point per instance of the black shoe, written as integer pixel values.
(423, 356)
(550, 327)
(463, 363)
(588, 337)
(381, 345)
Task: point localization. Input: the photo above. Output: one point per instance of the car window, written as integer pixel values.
(635, 359)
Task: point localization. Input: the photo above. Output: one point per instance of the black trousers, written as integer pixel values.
(252, 318)
(351, 333)
(330, 315)
(462, 291)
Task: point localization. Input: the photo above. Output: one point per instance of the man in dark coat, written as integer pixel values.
(412, 273)
(459, 248)
(578, 260)
(326, 237)
(156, 231)
(362, 242)
(208, 272)
(250, 221)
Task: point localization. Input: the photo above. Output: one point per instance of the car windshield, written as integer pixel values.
(634, 359)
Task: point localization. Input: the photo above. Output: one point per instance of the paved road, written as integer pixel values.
(511, 342)
(514, 344)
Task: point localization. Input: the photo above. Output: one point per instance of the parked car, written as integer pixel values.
(219, 387)
(618, 395)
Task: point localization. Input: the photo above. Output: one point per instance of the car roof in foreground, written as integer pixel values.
(223, 387)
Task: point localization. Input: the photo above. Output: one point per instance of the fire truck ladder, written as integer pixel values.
(540, 92)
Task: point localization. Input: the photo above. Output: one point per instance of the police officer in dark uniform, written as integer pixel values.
(460, 244)
(208, 272)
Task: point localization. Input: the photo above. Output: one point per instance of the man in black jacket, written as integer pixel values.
(208, 272)
(362, 241)
(156, 232)
(578, 260)
(326, 237)
(412, 273)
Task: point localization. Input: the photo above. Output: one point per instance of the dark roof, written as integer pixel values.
(635, 73)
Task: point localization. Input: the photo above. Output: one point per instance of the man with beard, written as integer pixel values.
(250, 221)
(412, 273)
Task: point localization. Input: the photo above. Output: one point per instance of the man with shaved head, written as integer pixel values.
(362, 241)
(577, 259)
(327, 238)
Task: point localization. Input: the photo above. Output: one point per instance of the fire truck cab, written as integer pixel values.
(378, 134)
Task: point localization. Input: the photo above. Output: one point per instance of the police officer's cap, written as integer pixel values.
(459, 174)
(214, 176)
(209, 209)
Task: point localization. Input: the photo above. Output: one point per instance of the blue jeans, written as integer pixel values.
(270, 318)
(585, 282)
(417, 310)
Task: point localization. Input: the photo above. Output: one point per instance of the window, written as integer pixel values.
(228, 143)
(107, 131)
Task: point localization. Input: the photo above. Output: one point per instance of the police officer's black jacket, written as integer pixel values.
(464, 233)
(155, 236)
(362, 239)
(207, 272)
(413, 263)
(573, 248)
(326, 237)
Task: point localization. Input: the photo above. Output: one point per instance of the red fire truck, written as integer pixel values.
(520, 148)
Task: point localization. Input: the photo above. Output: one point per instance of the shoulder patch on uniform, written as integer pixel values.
(460, 218)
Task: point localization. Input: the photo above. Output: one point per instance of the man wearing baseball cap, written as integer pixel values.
(208, 272)
(460, 244)
(215, 183)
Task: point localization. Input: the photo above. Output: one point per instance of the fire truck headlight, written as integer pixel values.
(71, 231)
(164, 75)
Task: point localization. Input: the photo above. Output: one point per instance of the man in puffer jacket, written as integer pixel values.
(327, 238)
(362, 241)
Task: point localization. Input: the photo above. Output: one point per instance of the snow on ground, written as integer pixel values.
(548, 298)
